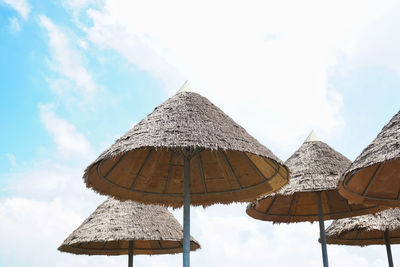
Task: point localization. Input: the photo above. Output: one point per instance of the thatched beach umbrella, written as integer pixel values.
(381, 228)
(374, 177)
(311, 194)
(127, 228)
(187, 151)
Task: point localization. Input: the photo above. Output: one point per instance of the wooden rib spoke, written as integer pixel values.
(372, 178)
(270, 206)
(203, 179)
(291, 205)
(113, 167)
(231, 169)
(169, 173)
(141, 168)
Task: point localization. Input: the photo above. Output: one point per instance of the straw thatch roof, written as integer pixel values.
(315, 167)
(373, 176)
(365, 230)
(385, 147)
(228, 164)
(113, 224)
(187, 119)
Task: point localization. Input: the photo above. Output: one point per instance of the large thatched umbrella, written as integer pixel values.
(127, 228)
(374, 175)
(187, 151)
(378, 229)
(311, 194)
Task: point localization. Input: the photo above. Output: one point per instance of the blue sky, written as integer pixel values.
(26, 75)
(75, 75)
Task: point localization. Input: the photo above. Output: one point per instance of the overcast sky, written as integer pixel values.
(76, 74)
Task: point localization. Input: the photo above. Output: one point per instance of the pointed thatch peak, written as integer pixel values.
(187, 119)
(388, 219)
(315, 166)
(187, 87)
(312, 137)
(108, 229)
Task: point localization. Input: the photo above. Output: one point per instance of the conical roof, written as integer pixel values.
(315, 166)
(373, 176)
(108, 230)
(365, 230)
(315, 169)
(146, 163)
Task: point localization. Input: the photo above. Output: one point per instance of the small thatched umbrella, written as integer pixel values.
(378, 229)
(187, 151)
(127, 228)
(374, 176)
(311, 194)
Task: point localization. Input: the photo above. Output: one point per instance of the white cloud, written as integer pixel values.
(50, 201)
(77, 6)
(14, 25)
(66, 59)
(31, 229)
(230, 238)
(12, 159)
(138, 49)
(83, 44)
(376, 45)
(21, 6)
(70, 143)
(262, 63)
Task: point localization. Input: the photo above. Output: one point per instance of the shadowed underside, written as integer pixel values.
(156, 176)
(365, 230)
(303, 206)
(374, 177)
(378, 184)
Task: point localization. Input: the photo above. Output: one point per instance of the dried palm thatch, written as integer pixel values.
(374, 175)
(226, 165)
(108, 230)
(315, 170)
(365, 230)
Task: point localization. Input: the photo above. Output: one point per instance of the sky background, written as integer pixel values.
(76, 75)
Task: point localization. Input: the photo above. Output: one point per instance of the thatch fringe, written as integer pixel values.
(387, 219)
(365, 230)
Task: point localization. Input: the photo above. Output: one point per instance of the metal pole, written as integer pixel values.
(322, 231)
(388, 249)
(130, 255)
(186, 213)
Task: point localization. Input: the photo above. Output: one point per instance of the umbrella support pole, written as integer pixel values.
(322, 231)
(186, 213)
(130, 254)
(388, 249)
